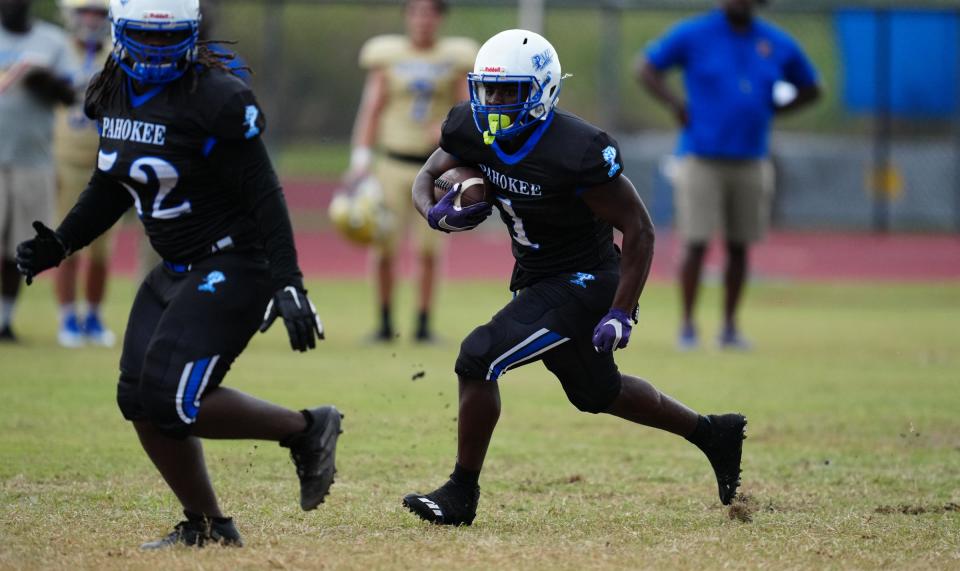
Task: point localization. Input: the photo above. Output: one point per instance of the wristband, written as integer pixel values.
(360, 158)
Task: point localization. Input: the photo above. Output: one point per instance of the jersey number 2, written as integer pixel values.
(166, 177)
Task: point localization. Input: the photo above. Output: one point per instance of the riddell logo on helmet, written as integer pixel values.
(498, 69)
(157, 16)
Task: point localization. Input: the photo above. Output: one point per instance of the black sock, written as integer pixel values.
(386, 325)
(195, 517)
(701, 433)
(423, 324)
(465, 477)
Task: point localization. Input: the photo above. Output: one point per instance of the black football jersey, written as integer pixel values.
(538, 191)
(157, 144)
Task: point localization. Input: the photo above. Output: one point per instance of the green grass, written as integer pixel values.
(327, 160)
(852, 396)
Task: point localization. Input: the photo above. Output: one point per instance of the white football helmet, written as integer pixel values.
(90, 30)
(146, 63)
(360, 213)
(526, 59)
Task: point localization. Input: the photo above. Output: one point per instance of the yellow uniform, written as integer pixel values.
(421, 87)
(75, 144)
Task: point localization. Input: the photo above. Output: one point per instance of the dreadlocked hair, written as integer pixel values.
(110, 78)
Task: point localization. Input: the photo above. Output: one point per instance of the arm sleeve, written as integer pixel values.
(797, 69)
(245, 165)
(99, 207)
(669, 50)
(601, 162)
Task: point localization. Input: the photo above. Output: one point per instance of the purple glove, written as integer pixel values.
(446, 216)
(613, 331)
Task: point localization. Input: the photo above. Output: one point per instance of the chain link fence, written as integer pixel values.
(845, 163)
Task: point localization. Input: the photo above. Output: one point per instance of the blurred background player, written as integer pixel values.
(75, 143)
(413, 80)
(731, 62)
(35, 72)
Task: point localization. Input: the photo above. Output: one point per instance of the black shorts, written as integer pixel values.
(553, 321)
(186, 327)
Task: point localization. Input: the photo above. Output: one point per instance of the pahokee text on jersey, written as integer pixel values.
(538, 191)
(156, 144)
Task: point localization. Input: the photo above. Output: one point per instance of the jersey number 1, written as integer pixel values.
(519, 233)
(166, 177)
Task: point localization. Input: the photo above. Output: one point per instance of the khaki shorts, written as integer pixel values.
(26, 194)
(72, 179)
(396, 178)
(733, 195)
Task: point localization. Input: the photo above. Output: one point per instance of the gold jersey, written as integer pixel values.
(75, 138)
(422, 86)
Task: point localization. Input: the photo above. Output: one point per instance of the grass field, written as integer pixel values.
(852, 461)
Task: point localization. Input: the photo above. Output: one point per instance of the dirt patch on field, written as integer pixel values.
(742, 508)
(909, 509)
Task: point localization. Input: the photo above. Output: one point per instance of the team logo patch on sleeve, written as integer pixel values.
(250, 121)
(610, 157)
(210, 282)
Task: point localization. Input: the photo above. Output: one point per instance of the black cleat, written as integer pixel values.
(450, 504)
(723, 448)
(199, 531)
(314, 453)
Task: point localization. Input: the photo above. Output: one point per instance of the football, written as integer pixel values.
(473, 188)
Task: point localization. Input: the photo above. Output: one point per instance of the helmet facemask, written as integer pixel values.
(525, 105)
(154, 53)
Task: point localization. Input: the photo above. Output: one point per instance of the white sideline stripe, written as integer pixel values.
(183, 385)
(516, 348)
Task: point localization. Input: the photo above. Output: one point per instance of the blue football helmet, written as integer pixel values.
(177, 21)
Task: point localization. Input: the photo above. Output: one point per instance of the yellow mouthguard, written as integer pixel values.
(497, 122)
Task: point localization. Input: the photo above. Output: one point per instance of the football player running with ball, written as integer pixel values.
(180, 142)
(560, 191)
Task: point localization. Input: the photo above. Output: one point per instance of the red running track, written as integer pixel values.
(485, 253)
(785, 255)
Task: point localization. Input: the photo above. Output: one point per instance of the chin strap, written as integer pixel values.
(497, 122)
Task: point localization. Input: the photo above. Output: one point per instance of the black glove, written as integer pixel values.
(299, 315)
(47, 88)
(41, 253)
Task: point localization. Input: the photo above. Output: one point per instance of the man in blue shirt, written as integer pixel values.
(731, 62)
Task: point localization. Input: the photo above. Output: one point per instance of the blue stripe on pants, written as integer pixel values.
(549, 338)
(193, 386)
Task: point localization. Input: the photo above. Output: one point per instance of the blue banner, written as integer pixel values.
(922, 68)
